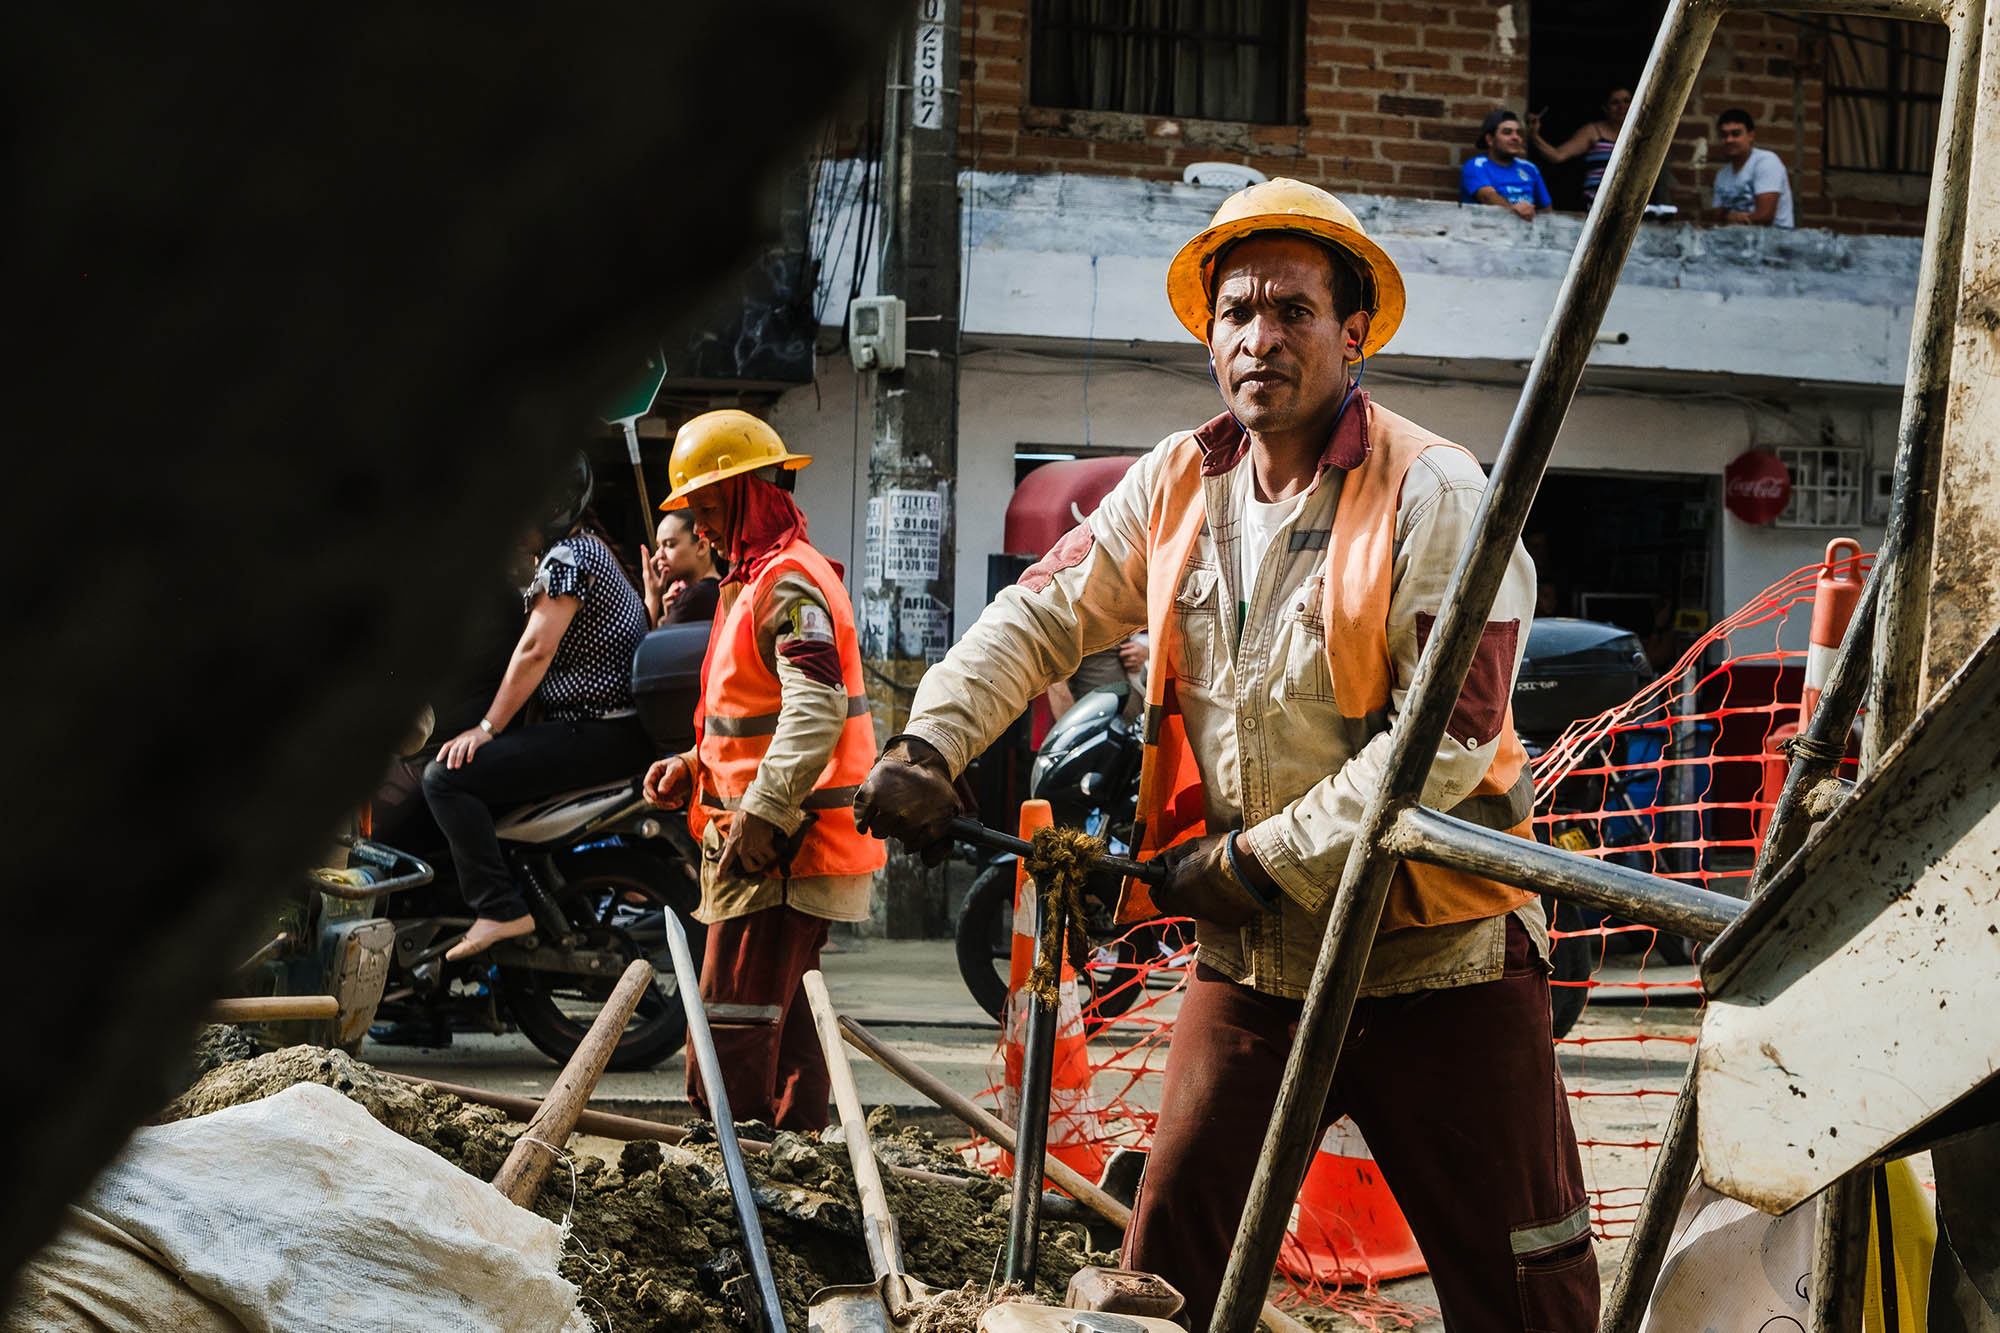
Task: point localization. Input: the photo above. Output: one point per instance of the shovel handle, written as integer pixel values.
(878, 1226)
(976, 833)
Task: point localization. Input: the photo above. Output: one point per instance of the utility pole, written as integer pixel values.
(906, 585)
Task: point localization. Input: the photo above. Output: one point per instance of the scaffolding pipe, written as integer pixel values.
(1888, 626)
(1357, 908)
(1441, 840)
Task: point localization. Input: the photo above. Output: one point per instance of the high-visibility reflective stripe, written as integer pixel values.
(826, 798)
(1551, 1235)
(766, 724)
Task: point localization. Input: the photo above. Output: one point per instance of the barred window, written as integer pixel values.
(1237, 60)
(1884, 89)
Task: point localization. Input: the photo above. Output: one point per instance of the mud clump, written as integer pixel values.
(653, 1240)
(475, 1139)
(219, 1044)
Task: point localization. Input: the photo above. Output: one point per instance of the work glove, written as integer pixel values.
(909, 796)
(1200, 884)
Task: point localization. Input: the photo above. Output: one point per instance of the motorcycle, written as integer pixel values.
(599, 868)
(1088, 771)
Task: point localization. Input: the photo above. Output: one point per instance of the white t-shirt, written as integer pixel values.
(1261, 523)
(1763, 173)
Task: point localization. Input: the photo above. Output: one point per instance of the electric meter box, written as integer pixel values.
(875, 326)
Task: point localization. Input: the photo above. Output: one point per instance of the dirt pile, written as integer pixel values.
(653, 1241)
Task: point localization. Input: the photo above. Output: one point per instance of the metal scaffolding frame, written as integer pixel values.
(1395, 827)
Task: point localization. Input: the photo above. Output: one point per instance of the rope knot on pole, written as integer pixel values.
(1060, 862)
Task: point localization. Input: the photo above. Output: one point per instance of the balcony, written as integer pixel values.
(1076, 258)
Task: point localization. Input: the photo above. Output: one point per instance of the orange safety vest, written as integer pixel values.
(740, 702)
(1355, 605)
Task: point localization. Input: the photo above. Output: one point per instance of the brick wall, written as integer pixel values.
(1774, 68)
(1393, 95)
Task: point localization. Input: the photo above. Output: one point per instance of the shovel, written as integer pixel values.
(702, 1042)
(885, 1303)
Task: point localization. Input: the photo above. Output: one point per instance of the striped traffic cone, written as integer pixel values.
(1347, 1228)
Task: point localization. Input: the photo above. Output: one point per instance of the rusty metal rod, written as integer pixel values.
(1421, 834)
(1567, 341)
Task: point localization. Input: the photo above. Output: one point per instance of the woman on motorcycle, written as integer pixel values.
(683, 574)
(574, 661)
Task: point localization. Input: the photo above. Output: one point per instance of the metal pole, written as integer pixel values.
(1896, 693)
(1357, 909)
(1889, 621)
(702, 1043)
(1916, 576)
(1426, 835)
(648, 520)
(1031, 1125)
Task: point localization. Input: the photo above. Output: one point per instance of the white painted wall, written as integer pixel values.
(1085, 258)
(1009, 400)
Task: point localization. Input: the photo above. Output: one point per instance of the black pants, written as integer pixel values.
(516, 767)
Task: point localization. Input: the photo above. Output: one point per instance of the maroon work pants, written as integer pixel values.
(772, 1071)
(1458, 1095)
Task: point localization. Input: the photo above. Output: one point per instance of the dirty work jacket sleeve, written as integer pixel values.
(810, 717)
(1305, 845)
(1085, 595)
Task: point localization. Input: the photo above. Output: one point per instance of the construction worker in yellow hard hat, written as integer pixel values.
(782, 739)
(1288, 559)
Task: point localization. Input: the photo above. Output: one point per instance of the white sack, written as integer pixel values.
(300, 1211)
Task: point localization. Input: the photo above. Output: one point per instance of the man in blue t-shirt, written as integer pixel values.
(1500, 175)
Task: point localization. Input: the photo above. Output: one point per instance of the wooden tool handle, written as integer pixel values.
(521, 1176)
(983, 1122)
(885, 1251)
(272, 1008)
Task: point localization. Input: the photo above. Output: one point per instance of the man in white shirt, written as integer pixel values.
(1752, 190)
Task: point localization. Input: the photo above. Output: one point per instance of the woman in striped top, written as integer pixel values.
(1593, 141)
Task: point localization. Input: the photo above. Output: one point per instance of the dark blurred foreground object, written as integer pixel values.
(308, 308)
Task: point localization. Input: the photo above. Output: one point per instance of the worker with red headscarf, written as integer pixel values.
(783, 737)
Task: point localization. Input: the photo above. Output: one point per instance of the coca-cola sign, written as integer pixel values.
(1756, 486)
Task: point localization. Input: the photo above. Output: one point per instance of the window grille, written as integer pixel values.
(1884, 94)
(1826, 486)
(1232, 60)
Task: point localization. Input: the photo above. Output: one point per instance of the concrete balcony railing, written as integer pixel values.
(1084, 257)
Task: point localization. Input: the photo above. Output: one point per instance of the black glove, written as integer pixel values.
(1201, 884)
(909, 796)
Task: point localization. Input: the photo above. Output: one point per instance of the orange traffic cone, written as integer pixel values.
(1072, 1104)
(1347, 1227)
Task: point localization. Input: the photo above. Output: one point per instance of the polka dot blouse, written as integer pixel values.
(591, 673)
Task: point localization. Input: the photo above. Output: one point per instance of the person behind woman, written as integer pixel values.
(574, 659)
(683, 574)
(1593, 141)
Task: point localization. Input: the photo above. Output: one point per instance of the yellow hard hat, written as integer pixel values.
(1281, 205)
(723, 444)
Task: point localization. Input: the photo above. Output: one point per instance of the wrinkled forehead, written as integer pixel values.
(1289, 265)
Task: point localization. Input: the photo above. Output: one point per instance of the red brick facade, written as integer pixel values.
(1393, 95)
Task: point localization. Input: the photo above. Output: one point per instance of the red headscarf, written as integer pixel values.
(761, 521)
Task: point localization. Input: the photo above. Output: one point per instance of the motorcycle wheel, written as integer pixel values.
(616, 896)
(984, 945)
(1569, 960)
